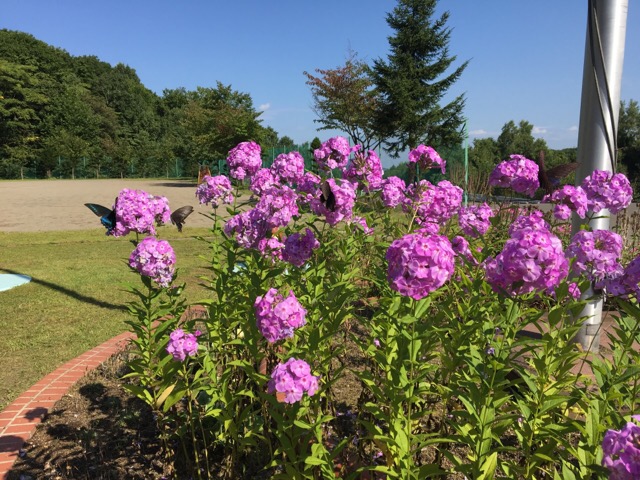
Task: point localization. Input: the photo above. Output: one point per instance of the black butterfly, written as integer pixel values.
(107, 216)
(550, 179)
(327, 197)
(178, 217)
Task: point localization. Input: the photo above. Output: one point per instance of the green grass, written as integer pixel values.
(76, 299)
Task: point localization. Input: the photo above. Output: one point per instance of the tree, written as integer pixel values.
(484, 155)
(21, 107)
(629, 140)
(412, 82)
(344, 100)
(518, 139)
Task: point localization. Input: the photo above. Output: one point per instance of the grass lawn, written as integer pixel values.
(75, 300)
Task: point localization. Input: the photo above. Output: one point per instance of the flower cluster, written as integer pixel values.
(292, 379)
(263, 180)
(298, 247)
(474, 220)
(393, 191)
(367, 170)
(626, 284)
(334, 153)
(288, 167)
(605, 190)
(214, 190)
(568, 199)
(138, 211)
(182, 344)
(433, 204)
(518, 173)
(532, 260)
(460, 247)
(155, 259)
(277, 206)
(419, 264)
(277, 316)
(249, 227)
(621, 450)
(345, 195)
(596, 254)
(244, 160)
(271, 248)
(534, 220)
(160, 209)
(427, 157)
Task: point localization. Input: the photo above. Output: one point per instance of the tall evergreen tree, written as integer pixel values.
(413, 80)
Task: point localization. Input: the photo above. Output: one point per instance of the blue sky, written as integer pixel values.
(526, 57)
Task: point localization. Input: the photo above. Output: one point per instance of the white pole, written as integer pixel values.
(600, 105)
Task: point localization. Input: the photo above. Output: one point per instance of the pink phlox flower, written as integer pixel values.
(518, 173)
(288, 167)
(334, 153)
(215, 190)
(293, 378)
(604, 190)
(155, 259)
(392, 193)
(426, 157)
(244, 160)
(365, 169)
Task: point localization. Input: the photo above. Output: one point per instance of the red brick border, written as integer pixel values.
(19, 419)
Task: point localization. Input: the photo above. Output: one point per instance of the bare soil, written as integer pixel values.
(47, 205)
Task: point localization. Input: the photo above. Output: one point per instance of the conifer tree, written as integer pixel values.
(415, 77)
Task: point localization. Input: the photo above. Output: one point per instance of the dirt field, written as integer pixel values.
(40, 205)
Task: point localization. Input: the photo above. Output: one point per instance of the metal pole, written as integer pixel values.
(599, 109)
(466, 163)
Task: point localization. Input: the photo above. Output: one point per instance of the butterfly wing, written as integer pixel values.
(557, 173)
(327, 197)
(99, 210)
(178, 217)
(107, 216)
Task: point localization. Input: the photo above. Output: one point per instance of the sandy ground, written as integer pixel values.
(42, 205)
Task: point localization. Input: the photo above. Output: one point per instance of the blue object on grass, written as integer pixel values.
(10, 280)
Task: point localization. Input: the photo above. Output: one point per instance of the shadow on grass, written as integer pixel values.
(71, 293)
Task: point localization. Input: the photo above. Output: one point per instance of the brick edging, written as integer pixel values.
(20, 418)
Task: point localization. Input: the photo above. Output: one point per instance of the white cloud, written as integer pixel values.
(573, 128)
(264, 107)
(538, 130)
(478, 132)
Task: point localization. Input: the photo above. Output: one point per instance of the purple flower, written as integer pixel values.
(277, 206)
(298, 248)
(621, 450)
(214, 190)
(271, 248)
(345, 195)
(334, 153)
(474, 220)
(433, 204)
(460, 247)
(531, 260)
(367, 170)
(293, 379)
(427, 157)
(596, 254)
(288, 167)
(249, 228)
(419, 264)
(518, 173)
(182, 344)
(534, 220)
(138, 211)
(244, 160)
(607, 191)
(568, 199)
(393, 191)
(263, 180)
(626, 284)
(277, 317)
(155, 259)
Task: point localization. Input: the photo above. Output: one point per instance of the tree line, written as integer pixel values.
(59, 112)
